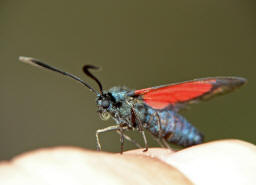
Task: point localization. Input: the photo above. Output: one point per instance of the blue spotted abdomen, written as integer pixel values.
(175, 128)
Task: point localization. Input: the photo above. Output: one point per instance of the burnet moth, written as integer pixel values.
(155, 109)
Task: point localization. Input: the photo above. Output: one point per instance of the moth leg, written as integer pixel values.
(165, 143)
(162, 142)
(145, 140)
(111, 128)
(128, 138)
(121, 139)
(160, 134)
(141, 129)
(159, 141)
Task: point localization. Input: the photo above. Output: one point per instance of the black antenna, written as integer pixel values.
(38, 63)
(87, 72)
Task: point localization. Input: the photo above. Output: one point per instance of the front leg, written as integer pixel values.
(111, 128)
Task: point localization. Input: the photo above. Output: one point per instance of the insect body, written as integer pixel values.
(165, 124)
(154, 109)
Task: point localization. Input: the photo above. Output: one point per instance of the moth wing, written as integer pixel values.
(176, 96)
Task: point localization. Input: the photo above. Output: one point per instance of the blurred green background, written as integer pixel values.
(138, 44)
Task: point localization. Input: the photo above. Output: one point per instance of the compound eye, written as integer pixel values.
(105, 104)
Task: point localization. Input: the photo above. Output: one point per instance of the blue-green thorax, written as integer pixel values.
(115, 102)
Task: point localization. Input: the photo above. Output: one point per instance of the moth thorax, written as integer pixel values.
(131, 101)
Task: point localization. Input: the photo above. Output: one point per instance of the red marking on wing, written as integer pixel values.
(161, 97)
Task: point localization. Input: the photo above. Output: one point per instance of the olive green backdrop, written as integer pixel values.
(138, 44)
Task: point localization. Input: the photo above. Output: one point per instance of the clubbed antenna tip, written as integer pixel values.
(28, 60)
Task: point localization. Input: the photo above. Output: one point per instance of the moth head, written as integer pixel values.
(104, 103)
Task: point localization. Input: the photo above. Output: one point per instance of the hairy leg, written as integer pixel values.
(128, 138)
(110, 128)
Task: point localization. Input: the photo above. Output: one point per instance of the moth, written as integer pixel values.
(154, 109)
